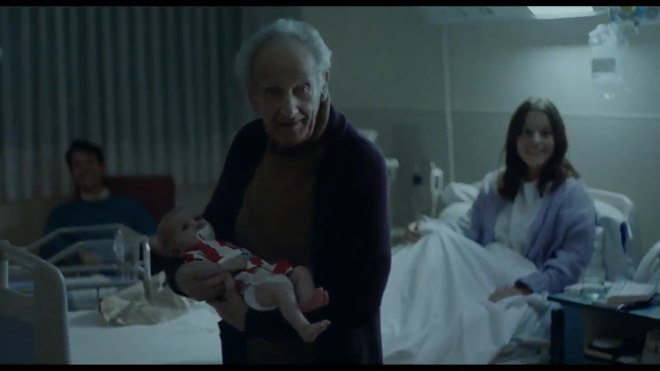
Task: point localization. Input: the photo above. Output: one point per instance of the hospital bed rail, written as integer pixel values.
(34, 327)
(129, 270)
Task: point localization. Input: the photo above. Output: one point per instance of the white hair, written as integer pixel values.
(302, 32)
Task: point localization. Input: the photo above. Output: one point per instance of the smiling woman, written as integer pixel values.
(299, 184)
(536, 147)
(537, 206)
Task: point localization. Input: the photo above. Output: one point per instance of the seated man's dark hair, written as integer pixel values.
(82, 145)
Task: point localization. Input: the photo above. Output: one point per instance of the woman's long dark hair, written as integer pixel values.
(555, 171)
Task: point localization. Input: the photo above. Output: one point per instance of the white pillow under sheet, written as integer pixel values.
(456, 216)
(455, 211)
(459, 192)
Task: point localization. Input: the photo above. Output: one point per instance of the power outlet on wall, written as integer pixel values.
(417, 178)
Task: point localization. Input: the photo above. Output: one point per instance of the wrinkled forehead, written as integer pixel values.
(537, 121)
(283, 62)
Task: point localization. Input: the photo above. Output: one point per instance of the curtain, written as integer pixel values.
(154, 86)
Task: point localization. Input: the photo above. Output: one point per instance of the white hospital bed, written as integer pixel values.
(36, 327)
(619, 243)
(192, 338)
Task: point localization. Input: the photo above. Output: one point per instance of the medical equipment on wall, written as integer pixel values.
(417, 195)
(609, 48)
(391, 163)
(392, 167)
(635, 15)
(436, 181)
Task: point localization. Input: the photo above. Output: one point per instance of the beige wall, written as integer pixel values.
(388, 75)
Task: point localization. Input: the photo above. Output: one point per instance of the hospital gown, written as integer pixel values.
(512, 227)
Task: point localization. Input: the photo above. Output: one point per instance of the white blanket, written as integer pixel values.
(131, 307)
(435, 308)
(193, 338)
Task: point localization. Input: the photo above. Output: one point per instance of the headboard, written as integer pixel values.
(34, 328)
(630, 231)
(155, 193)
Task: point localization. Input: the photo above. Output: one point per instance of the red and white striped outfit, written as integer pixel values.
(258, 270)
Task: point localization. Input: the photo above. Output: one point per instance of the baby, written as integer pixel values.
(263, 286)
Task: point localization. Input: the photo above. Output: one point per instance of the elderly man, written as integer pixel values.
(299, 184)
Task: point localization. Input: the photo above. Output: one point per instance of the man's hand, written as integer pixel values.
(507, 292)
(89, 258)
(233, 309)
(200, 280)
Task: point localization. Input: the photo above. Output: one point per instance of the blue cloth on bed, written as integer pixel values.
(80, 213)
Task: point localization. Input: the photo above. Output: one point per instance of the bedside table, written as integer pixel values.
(579, 321)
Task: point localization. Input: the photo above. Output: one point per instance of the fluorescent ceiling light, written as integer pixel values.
(560, 10)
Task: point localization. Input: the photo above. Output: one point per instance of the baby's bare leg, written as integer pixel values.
(284, 297)
(309, 297)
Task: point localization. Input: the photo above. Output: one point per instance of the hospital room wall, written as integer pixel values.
(612, 141)
(23, 212)
(388, 75)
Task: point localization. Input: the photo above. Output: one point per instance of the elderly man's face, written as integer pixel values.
(288, 90)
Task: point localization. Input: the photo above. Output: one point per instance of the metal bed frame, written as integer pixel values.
(131, 270)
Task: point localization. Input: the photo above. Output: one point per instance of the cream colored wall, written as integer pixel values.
(21, 222)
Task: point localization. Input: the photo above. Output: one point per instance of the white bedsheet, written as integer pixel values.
(435, 311)
(190, 339)
(435, 308)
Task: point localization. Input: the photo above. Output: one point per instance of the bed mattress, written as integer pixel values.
(190, 339)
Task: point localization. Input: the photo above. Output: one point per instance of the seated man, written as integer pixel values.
(94, 206)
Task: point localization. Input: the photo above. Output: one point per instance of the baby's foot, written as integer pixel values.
(316, 300)
(313, 330)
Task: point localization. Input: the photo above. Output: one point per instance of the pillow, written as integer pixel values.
(459, 192)
(455, 211)
(456, 216)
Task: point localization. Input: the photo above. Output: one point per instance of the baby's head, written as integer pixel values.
(178, 229)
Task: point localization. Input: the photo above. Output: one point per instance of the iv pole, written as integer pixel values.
(447, 94)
